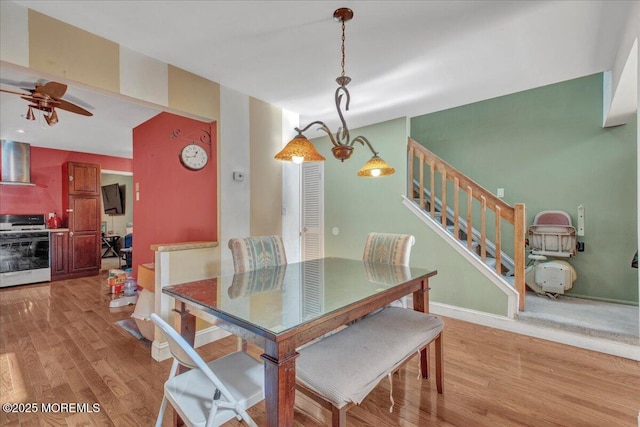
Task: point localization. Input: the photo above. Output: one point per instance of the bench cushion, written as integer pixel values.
(347, 365)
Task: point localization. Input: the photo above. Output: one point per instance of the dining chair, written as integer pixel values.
(209, 394)
(388, 248)
(252, 253)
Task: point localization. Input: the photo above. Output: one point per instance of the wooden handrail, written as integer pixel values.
(465, 181)
(514, 215)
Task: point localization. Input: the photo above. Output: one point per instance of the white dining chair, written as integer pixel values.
(209, 394)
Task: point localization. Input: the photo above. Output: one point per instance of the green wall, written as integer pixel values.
(546, 147)
(357, 206)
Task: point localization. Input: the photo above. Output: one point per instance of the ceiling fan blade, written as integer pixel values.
(66, 105)
(53, 89)
(16, 93)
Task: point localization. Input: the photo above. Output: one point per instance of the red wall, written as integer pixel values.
(175, 204)
(46, 174)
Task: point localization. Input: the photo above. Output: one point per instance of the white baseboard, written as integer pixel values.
(627, 351)
(160, 350)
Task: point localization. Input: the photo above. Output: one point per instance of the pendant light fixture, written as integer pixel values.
(300, 149)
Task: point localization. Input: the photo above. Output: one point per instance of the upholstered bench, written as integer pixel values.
(340, 370)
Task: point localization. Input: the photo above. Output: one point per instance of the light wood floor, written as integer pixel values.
(59, 344)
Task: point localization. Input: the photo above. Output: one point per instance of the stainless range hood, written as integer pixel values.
(16, 163)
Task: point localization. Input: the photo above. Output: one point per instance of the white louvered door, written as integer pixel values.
(312, 221)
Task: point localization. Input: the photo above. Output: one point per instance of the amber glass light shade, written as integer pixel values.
(376, 167)
(299, 148)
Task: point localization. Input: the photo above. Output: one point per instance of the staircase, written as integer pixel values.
(435, 189)
(473, 240)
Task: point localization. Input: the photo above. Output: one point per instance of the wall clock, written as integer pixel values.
(194, 157)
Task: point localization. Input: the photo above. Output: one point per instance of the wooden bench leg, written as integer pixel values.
(439, 365)
(339, 416)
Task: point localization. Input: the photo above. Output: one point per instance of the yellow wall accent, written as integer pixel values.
(265, 140)
(67, 51)
(193, 94)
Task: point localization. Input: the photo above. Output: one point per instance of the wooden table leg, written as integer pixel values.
(185, 324)
(421, 303)
(280, 384)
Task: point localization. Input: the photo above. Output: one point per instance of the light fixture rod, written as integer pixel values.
(362, 140)
(300, 149)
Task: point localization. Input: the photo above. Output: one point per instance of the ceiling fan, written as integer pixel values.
(47, 98)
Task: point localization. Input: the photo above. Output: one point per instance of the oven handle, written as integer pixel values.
(17, 273)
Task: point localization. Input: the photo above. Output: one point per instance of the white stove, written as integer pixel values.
(24, 250)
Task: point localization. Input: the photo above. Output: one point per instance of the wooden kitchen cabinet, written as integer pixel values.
(82, 206)
(83, 179)
(59, 243)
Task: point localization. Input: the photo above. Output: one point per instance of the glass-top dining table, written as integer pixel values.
(282, 308)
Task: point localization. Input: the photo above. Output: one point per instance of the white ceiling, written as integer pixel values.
(406, 58)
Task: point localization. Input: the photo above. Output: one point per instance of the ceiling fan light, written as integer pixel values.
(52, 118)
(30, 115)
(49, 119)
(299, 150)
(376, 167)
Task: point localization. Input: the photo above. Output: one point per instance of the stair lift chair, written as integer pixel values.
(551, 236)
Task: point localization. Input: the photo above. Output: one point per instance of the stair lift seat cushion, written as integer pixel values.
(252, 253)
(344, 367)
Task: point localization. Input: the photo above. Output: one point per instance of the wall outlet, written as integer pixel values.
(500, 192)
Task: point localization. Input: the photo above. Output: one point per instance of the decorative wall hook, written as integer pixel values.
(205, 137)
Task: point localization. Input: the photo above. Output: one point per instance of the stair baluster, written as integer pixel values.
(514, 215)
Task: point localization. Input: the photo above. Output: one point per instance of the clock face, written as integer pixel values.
(194, 157)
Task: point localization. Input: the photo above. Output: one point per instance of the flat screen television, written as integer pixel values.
(113, 197)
